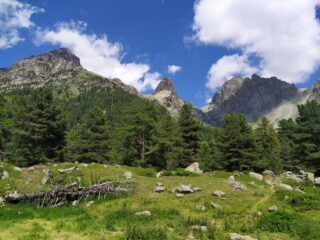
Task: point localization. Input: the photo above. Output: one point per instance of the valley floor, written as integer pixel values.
(298, 214)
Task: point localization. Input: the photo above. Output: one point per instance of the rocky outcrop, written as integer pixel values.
(253, 97)
(58, 67)
(166, 95)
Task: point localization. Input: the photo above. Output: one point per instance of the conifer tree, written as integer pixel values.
(190, 135)
(91, 141)
(268, 146)
(38, 129)
(308, 134)
(166, 150)
(237, 143)
(287, 130)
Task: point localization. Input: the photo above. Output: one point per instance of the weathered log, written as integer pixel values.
(68, 193)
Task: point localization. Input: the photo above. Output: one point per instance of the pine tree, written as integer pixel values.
(190, 134)
(308, 133)
(38, 130)
(237, 143)
(166, 150)
(91, 141)
(268, 146)
(287, 131)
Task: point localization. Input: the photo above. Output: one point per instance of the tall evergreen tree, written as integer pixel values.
(190, 134)
(287, 131)
(308, 133)
(237, 143)
(91, 141)
(38, 131)
(268, 146)
(166, 150)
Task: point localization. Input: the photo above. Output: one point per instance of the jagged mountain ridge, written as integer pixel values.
(254, 97)
(56, 67)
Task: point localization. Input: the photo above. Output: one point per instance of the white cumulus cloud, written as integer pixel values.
(226, 68)
(99, 55)
(14, 16)
(284, 36)
(173, 69)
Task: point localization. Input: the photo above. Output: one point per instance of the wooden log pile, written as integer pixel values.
(70, 193)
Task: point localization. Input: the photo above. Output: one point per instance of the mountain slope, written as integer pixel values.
(254, 97)
(58, 67)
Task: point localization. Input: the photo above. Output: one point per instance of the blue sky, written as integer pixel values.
(155, 33)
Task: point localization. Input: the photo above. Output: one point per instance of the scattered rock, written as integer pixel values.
(273, 208)
(215, 205)
(127, 175)
(88, 204)
(237, 186)
(269, 182)
(194, 168)
(179, 195)
(268, 172)
(256, 176)
(143, 213)
(184, 189)
(159, 174)
(199, 228)
(5, 175)
(219, 194)
(231, 178)
(17, 169)
(159, 189)
(46, 176)
(295, 178)
(285, 186)
(31, 168)
(236, 236)
(200, 207)
(159, 184)
(66, 170)
(75, 203)
(196, 189)
(85, 165)
(299, 190)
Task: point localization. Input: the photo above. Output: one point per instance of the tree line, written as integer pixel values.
(38, 127)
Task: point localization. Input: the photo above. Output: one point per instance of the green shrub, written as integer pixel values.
(134, 232)
(146, 172)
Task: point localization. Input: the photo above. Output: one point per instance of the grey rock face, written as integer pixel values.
(166, 95)
(253, 97)
(56, 67)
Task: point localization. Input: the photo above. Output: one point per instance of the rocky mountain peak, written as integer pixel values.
(165, 85)
(228, 89)
(251, 96)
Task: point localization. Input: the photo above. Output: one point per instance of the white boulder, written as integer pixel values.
(285, 186)
(127, 175)
(256, 176)
(194, 168)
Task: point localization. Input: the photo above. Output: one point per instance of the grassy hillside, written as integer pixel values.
(171, 217)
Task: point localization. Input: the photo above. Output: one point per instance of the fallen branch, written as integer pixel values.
(69, 193)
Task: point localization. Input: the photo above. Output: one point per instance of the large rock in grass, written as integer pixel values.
(236, 236)
(185, 189)
(219, 194)
(256, 176)
(5, 175)
(66, 170)
(127, 175)
(317, 181)
(143, 213)
(194, 168)
(285, 186)
(159, 189)
(268, 172)
(238, 186)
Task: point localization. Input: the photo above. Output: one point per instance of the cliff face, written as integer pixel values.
(253, 97)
